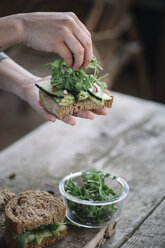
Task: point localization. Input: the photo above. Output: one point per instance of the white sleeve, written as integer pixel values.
(3, 56)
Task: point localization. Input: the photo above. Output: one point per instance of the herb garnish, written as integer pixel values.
(64, 77)
(93, 188)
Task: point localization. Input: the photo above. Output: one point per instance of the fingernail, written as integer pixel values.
(85, 67)
(91, 117)
(73, 123)
(75, 68)
(53, 119)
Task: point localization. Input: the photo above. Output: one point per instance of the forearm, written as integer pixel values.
(11, 31)
(14, 78)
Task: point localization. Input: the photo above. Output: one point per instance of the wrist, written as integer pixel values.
(23, 24)
(11, 28)
(25, 20)
(19, 27)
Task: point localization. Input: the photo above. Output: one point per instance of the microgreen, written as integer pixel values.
(93, 189)
(64, 77)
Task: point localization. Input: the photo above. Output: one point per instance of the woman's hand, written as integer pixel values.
(59, 32)
(62, 33)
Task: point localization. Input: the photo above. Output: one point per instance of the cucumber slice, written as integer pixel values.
(47, 87)
(40, 235)
(97, 92)
(60, 228)
(82, 96)
(100, 102)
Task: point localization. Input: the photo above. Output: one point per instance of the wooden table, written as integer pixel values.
(130, 141)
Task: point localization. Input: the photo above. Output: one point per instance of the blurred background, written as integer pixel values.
(129, 41)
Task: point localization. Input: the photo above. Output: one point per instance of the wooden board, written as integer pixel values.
(130, 142)
(152, 232)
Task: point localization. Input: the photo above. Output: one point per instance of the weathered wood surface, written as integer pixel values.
(152, 232)
(129, 142)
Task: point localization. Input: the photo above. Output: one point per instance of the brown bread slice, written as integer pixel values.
(5, 196)
(60, 111)
(31, 209)
(13, 243)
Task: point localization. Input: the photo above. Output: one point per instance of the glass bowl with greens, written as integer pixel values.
(93, 198)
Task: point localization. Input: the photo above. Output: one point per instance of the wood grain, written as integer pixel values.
(151, 233)
(129, 142)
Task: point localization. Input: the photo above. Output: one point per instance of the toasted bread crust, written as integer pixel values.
(61, 111)
(5, 197)
(31, 209)
(13, 243)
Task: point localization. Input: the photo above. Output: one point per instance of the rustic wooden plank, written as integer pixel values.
(112, 143)
(151, 233)
(42, 148)
(139, 158)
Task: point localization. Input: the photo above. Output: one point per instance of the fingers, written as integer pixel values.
(81, 47)
(78, 40)
(65, 53)
(69, 120)
(81, 25)
(84, 37)
(76, 48)
(87, 114)
(45, 114)
(82, 114)
(102, 111)
(86, 43)
(59, 32)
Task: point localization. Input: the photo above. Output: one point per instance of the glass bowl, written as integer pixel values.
(94, 214)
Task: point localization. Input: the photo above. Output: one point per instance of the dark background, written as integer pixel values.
(148, 18)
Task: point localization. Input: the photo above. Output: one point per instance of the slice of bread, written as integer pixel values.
(5, 196)
(13, 243)
(61, 111)
(31, 209)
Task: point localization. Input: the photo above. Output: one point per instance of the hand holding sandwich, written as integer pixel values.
(32, 97)
(62, 33)
(20, 82)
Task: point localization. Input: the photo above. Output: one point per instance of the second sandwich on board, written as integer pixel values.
(34, 219)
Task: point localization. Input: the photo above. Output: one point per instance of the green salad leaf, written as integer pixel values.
(93, 188)
(22, 240)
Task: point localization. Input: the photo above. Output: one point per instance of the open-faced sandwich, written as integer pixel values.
(34, 219)
(69, 91)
